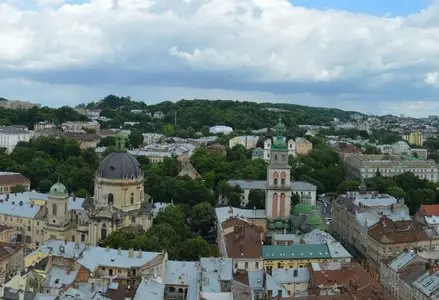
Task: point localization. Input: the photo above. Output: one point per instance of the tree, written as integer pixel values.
(195, 248)
(136, 138)
(348, 185)
(256, 199)
(295, 199)
(17, 189)
(168, 129)
(202, 218)
(396, 192)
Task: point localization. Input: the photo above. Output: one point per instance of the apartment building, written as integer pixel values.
(366, 166)
(11, 260)
(10, 136)
(10, 180)
(354, 213)
(247, 141)
(17, 104)
(414, 138)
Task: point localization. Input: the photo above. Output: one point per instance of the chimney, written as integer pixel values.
(270, 294)
(20, 294)
(131, 252)
(140, 253)
(119, 251)
(21, 203)
(279, 295)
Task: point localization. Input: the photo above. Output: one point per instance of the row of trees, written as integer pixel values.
(180, 230)
(43, 159)
(405, 186)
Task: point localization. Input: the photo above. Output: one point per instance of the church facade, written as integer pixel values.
(119, 201)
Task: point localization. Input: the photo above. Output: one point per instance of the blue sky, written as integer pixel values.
(384, 60)
(374, 7)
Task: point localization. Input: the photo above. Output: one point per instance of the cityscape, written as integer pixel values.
(219, 150)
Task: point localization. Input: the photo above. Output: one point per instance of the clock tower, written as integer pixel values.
(278, 185)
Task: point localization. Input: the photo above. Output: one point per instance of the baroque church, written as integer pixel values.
(119, 201)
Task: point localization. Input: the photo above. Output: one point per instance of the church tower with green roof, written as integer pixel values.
(278, 185)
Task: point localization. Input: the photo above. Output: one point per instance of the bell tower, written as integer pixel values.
(57, 204)
(278, 185)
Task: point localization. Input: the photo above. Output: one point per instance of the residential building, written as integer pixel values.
(415, 138)
(158, 115)
(18, 104)
(152, 138)
(366, 166)
(189, 170)
(7, 234)
(248, 141)
(11, 260)
(258, 153)
(71, 126)
(428, 215)
(9, 180)
(218, 149)
(158, 152)
(43, 125)
(85, 140)
(10, 136)
(220, 129)
(242, 242)
(306, 190)
(354, 213)
(303, 146)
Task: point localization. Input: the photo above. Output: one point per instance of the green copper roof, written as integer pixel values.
(279, 143)
(314, 220)
(58, 190)
(121, 140)
(279, 225)
(296, 251)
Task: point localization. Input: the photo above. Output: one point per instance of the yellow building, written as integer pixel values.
(415, 138)
(294, 255)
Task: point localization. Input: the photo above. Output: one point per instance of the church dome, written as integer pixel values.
(119, 165)
(58, 190)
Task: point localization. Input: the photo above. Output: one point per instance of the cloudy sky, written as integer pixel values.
(375, 56)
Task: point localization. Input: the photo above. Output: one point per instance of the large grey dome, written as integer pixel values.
(119, 165)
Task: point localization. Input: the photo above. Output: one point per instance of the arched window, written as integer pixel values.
(54, 209)
(180, 290)
(103, 232)
(275, 157)
(275, 181)
(132, 198)
(82, 237)
(282, 181)
(110, 199)
(172, 289)
(274, 205)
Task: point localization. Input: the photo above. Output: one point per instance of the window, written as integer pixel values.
(257, 265)
(275, 157)
(236, 265)
(275, 181)
(295, 273)
(54, 209)
(38, 223)
(246, 265)
(110, 272)
(132, 198)
(104, 232)
(283, 157)
(279, 265)
(282, 181)
(110, 199)
(28, 228)
(82, 237)
(37, 244)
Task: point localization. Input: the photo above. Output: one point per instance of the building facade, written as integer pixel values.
(10, 136)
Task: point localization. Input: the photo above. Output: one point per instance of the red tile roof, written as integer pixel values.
(244, 242)
(13, 178)
(429, 209)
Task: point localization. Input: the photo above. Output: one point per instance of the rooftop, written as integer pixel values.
(183, 273)
(244, 241)
(224, 213)
(9, 178)
(387, 231)
(214, 270)
(92, 257)
(296, 251)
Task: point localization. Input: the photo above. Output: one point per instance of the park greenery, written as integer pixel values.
(405, 186)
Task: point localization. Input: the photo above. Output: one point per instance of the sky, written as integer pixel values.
(371, 56)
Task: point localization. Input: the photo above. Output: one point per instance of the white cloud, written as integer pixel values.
(432, 78)
(263, 43)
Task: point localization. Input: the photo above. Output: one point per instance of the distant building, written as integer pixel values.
(248, 141)
(71, 126)
(11, 260)
(415, 138)
(158, 115)
(298, 146)
(158, 152)
(152, 138)
(10, 136)
(218, 149)
(85, 140)
(8, 180)
(43, 125)
(17, 104)
(220, 129)
(258, 153)
(189, 170)
(366, 166)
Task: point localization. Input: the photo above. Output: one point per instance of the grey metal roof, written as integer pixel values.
(223, 213)
(286, 276)
(402, 260)
(151, 289)
(183, 273)
(213, 271)
(296, 186)
(92, 257)
(119, 165)
(59, 277)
